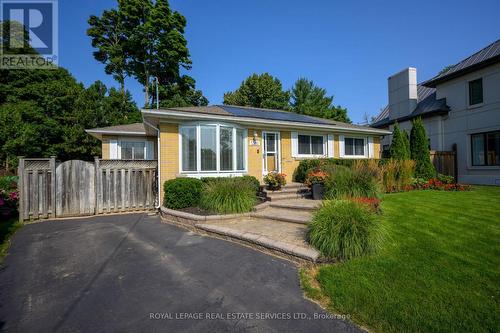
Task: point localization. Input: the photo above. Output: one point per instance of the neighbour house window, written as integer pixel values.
(485, 148)
(212, 148)
(476, 92)
(133, 150)
(354, 147)
(311, 144)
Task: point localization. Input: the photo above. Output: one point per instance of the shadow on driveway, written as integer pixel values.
(134, 273)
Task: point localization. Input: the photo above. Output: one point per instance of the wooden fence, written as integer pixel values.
(444, 162)
(75, 188)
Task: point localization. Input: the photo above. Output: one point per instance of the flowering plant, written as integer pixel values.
(275, 180)
(443, 184)
(8, 202)
(315, 177)
(372, 203)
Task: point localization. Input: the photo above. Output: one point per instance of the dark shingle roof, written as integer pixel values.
(130, 128)
(426, 104)
(487, 56)
(260, 113)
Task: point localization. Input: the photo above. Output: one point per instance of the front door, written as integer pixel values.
(271, 153)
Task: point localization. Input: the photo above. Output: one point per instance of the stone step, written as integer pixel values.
(275, 196)
(297, 204)
(284, 215)
(300, 251)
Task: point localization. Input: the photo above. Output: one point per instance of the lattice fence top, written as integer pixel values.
(37, 164)
(127, 164)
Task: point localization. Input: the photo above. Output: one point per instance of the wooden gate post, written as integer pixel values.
(97, 182)
(52, 163)
(20, 173)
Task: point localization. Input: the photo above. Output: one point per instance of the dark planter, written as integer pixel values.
(274, 188)
(317, 191)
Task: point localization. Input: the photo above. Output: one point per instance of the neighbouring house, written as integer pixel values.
(460, 108)
(223, 140)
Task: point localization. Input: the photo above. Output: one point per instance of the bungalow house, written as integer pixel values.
(460, 108)
(223, 140)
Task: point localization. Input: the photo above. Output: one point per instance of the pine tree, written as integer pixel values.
(400, 148)
(419, 147)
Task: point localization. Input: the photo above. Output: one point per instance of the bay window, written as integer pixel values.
(212, 148)
(485, 148)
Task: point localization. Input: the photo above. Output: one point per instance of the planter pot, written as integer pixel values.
(317, 191)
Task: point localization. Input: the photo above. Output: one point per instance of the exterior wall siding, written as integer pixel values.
(288, 163)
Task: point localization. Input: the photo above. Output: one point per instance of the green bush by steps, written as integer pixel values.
(343, 229)
(182, 192)
(355, 182)
(228, 196)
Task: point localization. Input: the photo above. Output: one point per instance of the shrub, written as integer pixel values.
(9, 196)
(8, 183)
(400, 149)
(445, 179)
(182, 193)
(244, 179)
(343, 182)
(344, 229)
(227, 196)
(397, 175)
(305, 166)
(419, 147)
(372, 203)
(275, 179)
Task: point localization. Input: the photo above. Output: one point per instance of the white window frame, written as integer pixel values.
(325, 145)
(147, 143)
(366, 146)
(218, 172)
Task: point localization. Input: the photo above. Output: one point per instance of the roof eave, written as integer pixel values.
(439, 112)
(179, 115)
(432, 83)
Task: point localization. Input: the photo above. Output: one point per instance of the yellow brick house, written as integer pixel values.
(223, 140)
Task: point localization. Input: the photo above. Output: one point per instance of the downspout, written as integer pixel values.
(158, 158)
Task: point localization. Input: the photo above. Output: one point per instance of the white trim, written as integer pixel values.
(114, 152)
(126, 139)
(330, 142)
(115, 132)
(295, 143)
(213, 174)
(259, 121)
(158, 164)
(370, 147)
(341, 146)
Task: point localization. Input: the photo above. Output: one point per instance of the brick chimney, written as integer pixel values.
(402, 93)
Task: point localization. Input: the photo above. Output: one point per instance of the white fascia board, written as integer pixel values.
(257, 121)
(114, 132)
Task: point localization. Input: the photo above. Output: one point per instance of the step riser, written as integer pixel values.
(301, 208)
(274, 218)
(282, 197)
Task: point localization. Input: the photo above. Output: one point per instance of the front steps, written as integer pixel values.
(289, 191)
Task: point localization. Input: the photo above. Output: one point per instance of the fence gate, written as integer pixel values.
(75, 189)
(78, 188)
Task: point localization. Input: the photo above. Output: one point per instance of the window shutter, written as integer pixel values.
(113, 150)
(295, 145)
(150, 150)
(370, 147)
(341, 146)
(330, 145)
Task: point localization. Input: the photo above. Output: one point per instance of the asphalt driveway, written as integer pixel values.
(134, 273)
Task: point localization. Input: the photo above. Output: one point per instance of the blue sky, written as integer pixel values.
(347, 47)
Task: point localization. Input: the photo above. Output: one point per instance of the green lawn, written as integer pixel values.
(8, 227)
(439, 270)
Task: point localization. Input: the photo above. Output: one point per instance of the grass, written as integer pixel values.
(7, 228)
(438, 271)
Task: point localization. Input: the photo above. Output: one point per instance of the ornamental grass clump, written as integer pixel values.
(343, 229)
(343, 183)
(228, 196)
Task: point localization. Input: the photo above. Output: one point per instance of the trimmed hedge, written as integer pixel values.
(182, 193)
(300, 174)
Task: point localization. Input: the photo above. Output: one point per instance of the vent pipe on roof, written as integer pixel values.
(402, 93)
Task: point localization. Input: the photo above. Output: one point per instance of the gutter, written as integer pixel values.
(259, 121)
(158, 157)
